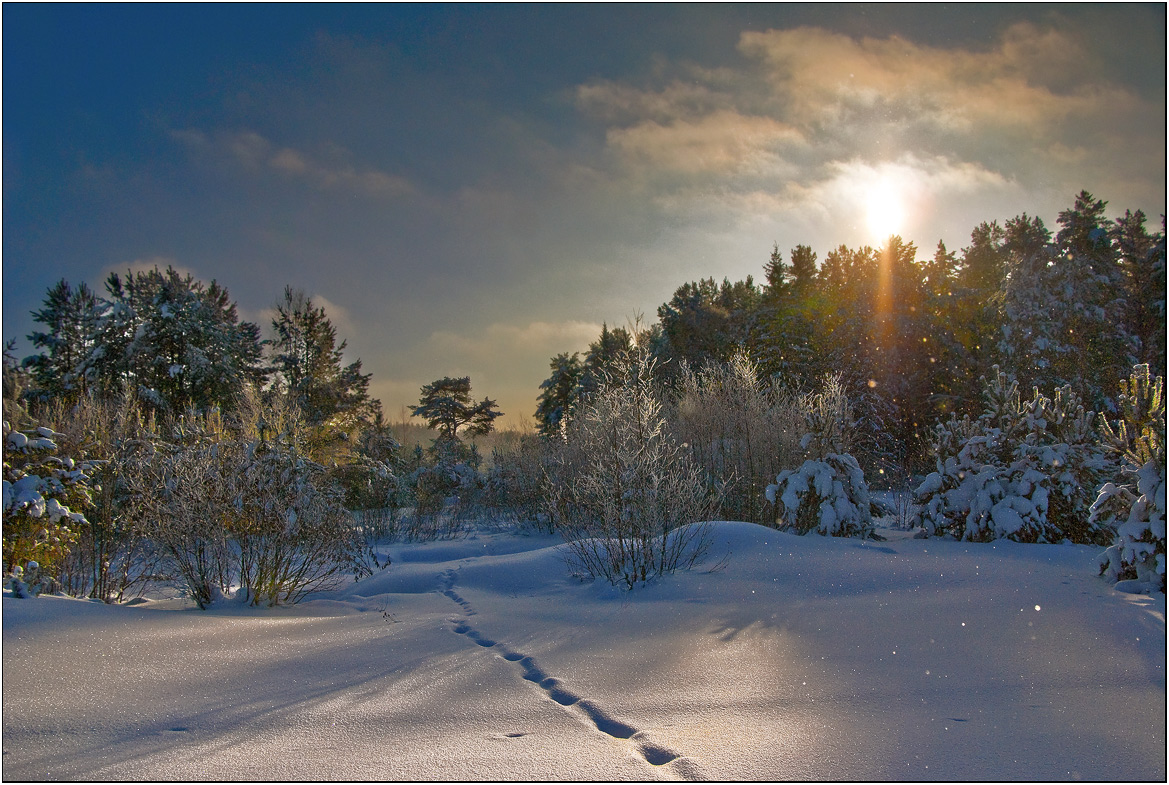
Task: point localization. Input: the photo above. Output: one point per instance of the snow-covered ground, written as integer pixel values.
(800, 658)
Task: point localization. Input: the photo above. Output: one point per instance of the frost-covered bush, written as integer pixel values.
(515, 480)
(288, 525)
(43, 496)
(1024, 470)
(628, 499)
(741, 431)
(183, 499)
(446, 489)
(1135, 506)
(112, 559)
(827, 494)
(231, 511)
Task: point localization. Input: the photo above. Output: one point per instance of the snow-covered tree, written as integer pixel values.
(44, 498)
(559, 394)
(70, 319)
(827, 493)
(174, 340)
(1064, 309)
(1135, 506)
(1142, 258)
(1024, 470)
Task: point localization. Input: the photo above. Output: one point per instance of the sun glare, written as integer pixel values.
(884, 209)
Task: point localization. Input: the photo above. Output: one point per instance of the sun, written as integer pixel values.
(884, 209)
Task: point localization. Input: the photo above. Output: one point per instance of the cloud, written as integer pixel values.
(1024, 81)
(147, 264)
(807, 98)
(499, 341)
(721, 142)
(254, 153)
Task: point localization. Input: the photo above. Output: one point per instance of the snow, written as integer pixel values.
(797, 658)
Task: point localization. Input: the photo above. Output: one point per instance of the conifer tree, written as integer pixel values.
(175, 340)
(1063, 310)
(70, 317)
(607, 359)
(558, 397)
(308, 363)
(446, 406)
(803, 271)
(1142, 260)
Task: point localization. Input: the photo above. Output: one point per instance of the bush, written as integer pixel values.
(288, 524)
(183, 501)
(515, 481)
(1136, 505)
(1024, 471)
(226, 508)
(827, 494)
(112, 558)
(622, 489)
(740, 430)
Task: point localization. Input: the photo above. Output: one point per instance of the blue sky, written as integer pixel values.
(471, 189)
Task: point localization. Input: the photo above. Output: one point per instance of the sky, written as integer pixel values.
(472, 189)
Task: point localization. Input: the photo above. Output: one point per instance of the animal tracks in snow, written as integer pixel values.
(587, 711)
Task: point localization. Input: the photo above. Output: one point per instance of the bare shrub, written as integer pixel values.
(226, 508)
(741, 431)
(623, 490)
(113, 559)
(181, 494)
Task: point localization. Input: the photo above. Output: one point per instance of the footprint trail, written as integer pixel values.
(584, 710)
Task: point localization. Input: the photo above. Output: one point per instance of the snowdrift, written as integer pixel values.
(796, 658)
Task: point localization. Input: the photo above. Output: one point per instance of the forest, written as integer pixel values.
(1013, 389)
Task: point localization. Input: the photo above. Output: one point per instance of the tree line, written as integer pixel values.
(156, 437)
(910, 337)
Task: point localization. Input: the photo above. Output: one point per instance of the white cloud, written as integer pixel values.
(147, 264)
(255, 153)
(721, 142)
(499, 342)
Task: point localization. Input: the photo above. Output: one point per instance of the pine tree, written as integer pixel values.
(803, 272)
(1064, 309)
(775, 275)
(606, 360)
(1142, 259)
(779, 330)
(308, 364)
(446, 406)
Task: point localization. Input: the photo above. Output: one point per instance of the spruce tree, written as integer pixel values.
(70, 318)
(558, 396)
